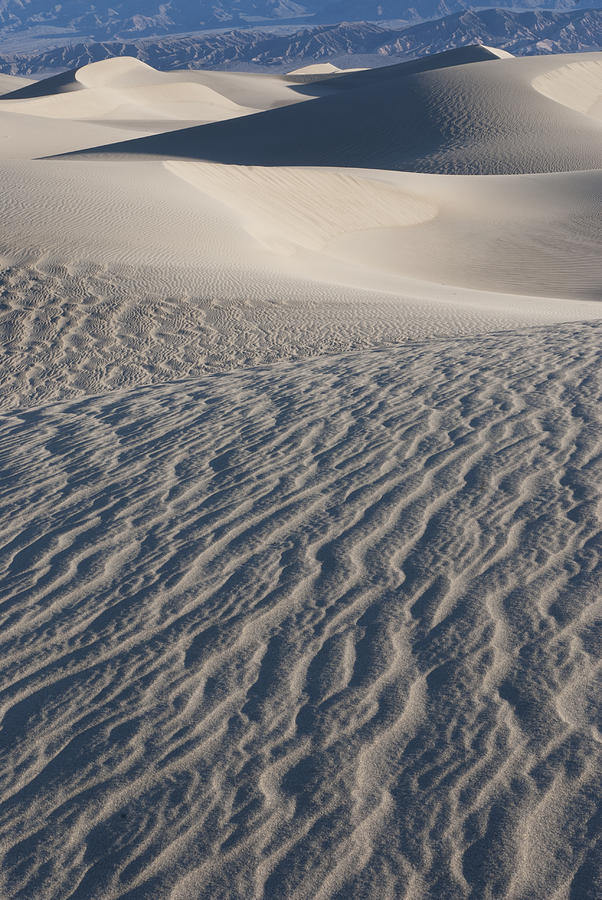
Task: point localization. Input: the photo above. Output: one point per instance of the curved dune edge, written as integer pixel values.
(126, 89)
(446, 116)
(577, 85)
(287, 209)
(124, 94)
(452, 230)
(178, 101)
(115, 72)
(501, 54)
(123, 281)
(317, 69)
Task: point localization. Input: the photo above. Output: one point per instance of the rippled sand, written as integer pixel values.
(300, 478)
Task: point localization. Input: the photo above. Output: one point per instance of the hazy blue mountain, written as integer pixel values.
(129, 19)
(520, 33)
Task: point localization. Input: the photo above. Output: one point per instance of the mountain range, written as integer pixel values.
(520, 33)
(127, 19)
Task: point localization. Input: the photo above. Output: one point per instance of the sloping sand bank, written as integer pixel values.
(320, 629)
(300, 475)
(479, 118)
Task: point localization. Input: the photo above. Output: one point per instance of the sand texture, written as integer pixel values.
(480, 118)
(300, 466)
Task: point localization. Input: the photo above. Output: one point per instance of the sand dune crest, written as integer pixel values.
(474, 118)
(578, 86)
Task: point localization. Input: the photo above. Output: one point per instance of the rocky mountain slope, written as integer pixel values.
(520, 33)
(128, 19)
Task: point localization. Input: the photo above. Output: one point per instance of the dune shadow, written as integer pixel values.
(57, 84)
(409, 117)
(378, 118)
(350, 129)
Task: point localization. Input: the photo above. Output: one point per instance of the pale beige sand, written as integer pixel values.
(476, 118)
(95, 103)
(495, 51)
(577, 85)
(173, 100)
(317, 69)
(324, 623)
(193, 267)
(10, 83)
(23, 137)
(127, 89)
(324, 629)
(323, 69)
(537, 234)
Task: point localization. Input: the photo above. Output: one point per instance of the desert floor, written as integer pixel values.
(300, 442)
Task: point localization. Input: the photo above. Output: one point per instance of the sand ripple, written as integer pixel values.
(315, 630)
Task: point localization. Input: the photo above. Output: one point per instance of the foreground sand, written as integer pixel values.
(323, 623)
(319, 629)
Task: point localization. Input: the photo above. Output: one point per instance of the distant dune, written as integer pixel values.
(206, 247)
(300, 433)
(463, 118)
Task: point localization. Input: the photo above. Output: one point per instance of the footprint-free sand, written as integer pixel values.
(300, 442)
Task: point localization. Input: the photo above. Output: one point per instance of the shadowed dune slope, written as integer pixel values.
(97, 102)
(12, 83)
(460, 56)
(477, 118)
(45, 87)
(322, 630)
(123, 71)
(255, 91)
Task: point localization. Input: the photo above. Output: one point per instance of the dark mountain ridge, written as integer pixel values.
(130, 19)
(520, 33)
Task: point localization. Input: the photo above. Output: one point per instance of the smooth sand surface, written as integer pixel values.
(96, 103)
(477, 118)
(316, 69)
(122, 89)
(319, 70)
(300, 434)
(577, 85)
(9, 83)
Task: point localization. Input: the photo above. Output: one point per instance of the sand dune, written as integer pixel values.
(9, 83)
(577, 85)
(192, 267)
(317, 69)
(495, 51)
(243, 261)
(300, 438)
(122, 72)
(125, 90)
(126, 73)
(95, 104)
(169, 101)
(465, 231)
(323, 629)
(476, 118)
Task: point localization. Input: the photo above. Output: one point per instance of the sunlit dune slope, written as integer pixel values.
(476, 118)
